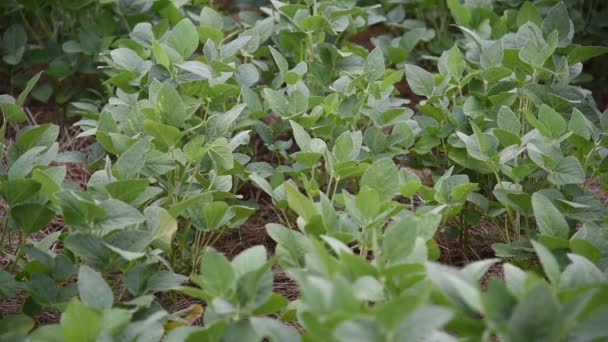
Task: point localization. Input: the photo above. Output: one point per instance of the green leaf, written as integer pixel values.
(277, 102)
(528, 13)
(422, 322)
(221, 154)
(508, 121)
(583, 53)
(170, 106)
(72, 323)
(183, 38)
(455, 62)
(127, 190)
(461, 14)
(214, 214)
(117, 215)
(164, 135)
(552, 123)
(535, 316)
(314, 23)
(217, 276)
(300, 203)
(15, 323)
(301, 137)
(230, 49)
(567, 171)
(8, 285)
(492, 55)
(162, 225)
(18, 190)
(14, 40)
(579, 124)
(558, 20)
(128, 59)
(548, 261)
(279, 60)
(581, 272)
(549, 219)
(32, 217)
(374, 64)
(536, 50)
(247, 75)
(28, 88)
(130, 163)
(250, 260)
(421, 81)
(382, 176)
(93, 289)
(211, 18)
(38, 155)
(12, 112)
(193, 149)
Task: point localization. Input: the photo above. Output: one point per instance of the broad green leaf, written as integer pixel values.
(579, 125)
(12, 112)
(117, 215)
(217, 276)
(455, 62)
(583, 53)
(279, 60)
(127, 190)
(194, 149)
(164, 135)
(131, 163)
(382, 176)
(250, 260)
(508, 121)
(93, 289)
(162, 225)
(492, 55)
(553, 123)
(247, 75)
(549, 219)
(300, 203)
(548, 261)
(558, 20)
(374, 64)
(159, 52)
(18, 190)
(38, 155)
(581, 272)
(183, 38)
(461, 14)
(211, 18)
(535, 316)
(301, 137)
(567, 171)
(422, 322)
(230, 49)
(528, 13)
(170, 106)
(215, 214)
(127, 59)
(277, 102)
(221, 154)
(32, 217)
(72, 323)
(14, 40)
(15, 324)
(421, 81)
(314, 23)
